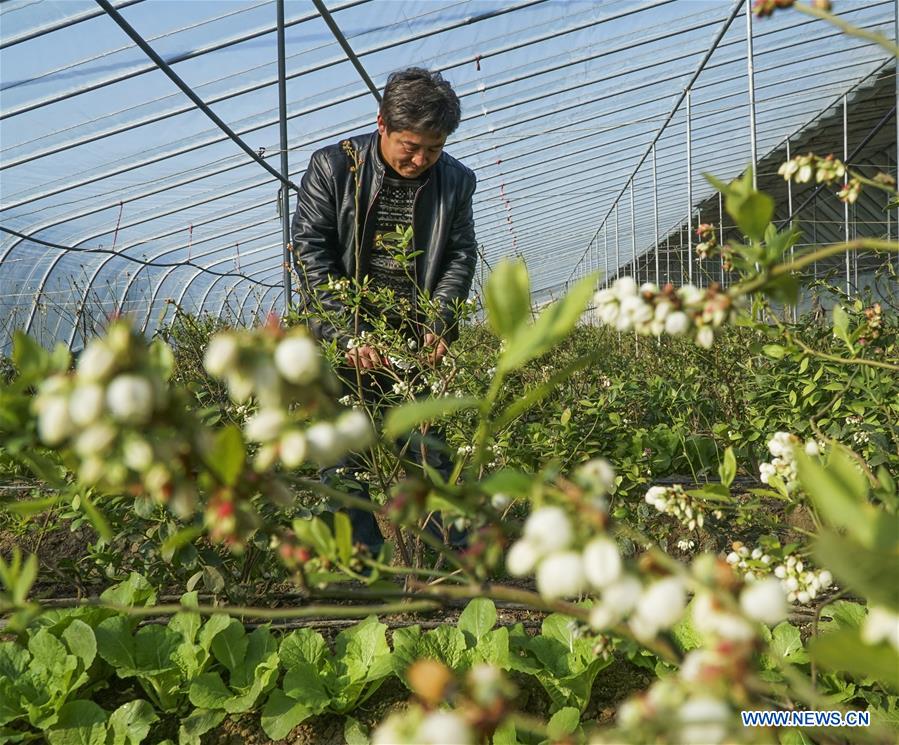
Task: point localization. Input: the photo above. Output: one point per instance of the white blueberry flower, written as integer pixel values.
(95, 440)
(703, 720)
(500, 501)
(598, 475)
(705, 337)
(86, 404)
(825, 579)
(266, 383)
(676, 323)
(811, 448)
(240, 385)
(548, 529)
(443, 728)
(880, 625)
(324, 443)
(137, 454)
(522, 558)
(265, 425)
(764, 601)
(221, 354)
(354, 427)
(129, 399)
(292, 448)
(97, 362)
(561, 575)
(659, 607)
(602, 562)
(297, 359)
(53, 423)
(625, 287)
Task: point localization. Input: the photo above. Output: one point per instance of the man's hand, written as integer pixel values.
(432, 341)
(365, 358)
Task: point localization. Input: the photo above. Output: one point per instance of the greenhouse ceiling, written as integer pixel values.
(123, 191)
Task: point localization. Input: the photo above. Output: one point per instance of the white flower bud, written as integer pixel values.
(500, 501)
(780, 571)
(240, 385)
(221, 355)
(625, 287)
(598, 475)
(522, 558)
(91, 470)
(764, 601)
(662, 603)
(95, 440)
(130, 399)
(265, 425)
(443, 728)
(293, 448)
(53, 422)
(825, 579)
(97, 362)
(703, 721)
(732, 558)
(266, 384)
(324, 443)
(705, 337)
(137, 454)
(602, 562)
(880, 625)
(297, 359)
(548, 529)
(86, 404)
(803, 596)
(561, 575)
(677, 323)
(354, 428)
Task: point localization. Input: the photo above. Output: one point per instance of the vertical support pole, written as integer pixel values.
(795, 313)
(721, 236)
(750, 74)
(846, 181)
(655, 210)
(617, 246)
(667, 260)
(605, 255)
(896, 80)
(634, 237)
(285, 194)
(689, 191)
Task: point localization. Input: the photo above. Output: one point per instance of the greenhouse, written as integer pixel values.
(449, 371)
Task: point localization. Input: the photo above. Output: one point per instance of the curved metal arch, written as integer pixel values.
(96, 273)
(72, 20)
(183, 57)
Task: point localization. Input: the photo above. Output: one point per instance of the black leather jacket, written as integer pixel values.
(325, 218)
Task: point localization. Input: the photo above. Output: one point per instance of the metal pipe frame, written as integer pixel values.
(285, 165)
(655, 211)
(845, 182)
(690, 188)
(750, 78)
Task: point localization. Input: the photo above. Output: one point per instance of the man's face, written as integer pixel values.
(409, 153)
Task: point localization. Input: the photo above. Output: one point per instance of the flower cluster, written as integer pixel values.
(801, 583)
(873, 321)
(673, 500)
(802, 168)
(708, 240)
(116, 414)
(782, 467)
(850, 191)
(285, 374)
(648, 310)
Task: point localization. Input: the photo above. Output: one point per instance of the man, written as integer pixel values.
(404, 179)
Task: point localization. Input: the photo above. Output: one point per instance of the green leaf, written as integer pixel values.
(775, 351)
(506, 734)
(354, 733)
(843, 614)
(29, 357)
(786, 644)
(230, 645)
(841, 324)
(343, 536)
(131, 722)
(303, 646)
(282, 713)
(552, 325)
(844, 651)
(82, 643)
(98, 520)
(154, 646)
(869, 572)
(209, 691)
(79, 723)
(478, 618)
(228, 456)
(508, 481)
(198, 723)
(317, 534)
(404, 419)
(508, 298)
(840, 492)
(115, 643)
(134, 591)
(563, 723)
(727, 469)
(753, 214)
